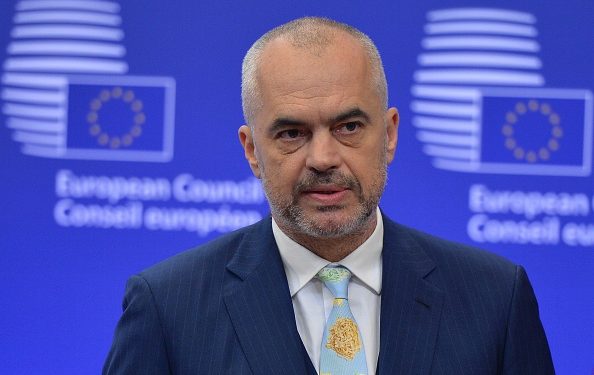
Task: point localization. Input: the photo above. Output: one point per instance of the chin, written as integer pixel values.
(332, 225)
(328, 221)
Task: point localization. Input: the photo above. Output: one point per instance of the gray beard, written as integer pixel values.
(292, 216)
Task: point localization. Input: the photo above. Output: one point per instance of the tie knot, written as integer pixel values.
(336, 278)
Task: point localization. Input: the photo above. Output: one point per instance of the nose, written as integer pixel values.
(323, 153)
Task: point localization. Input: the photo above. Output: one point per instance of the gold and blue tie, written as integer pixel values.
(342, 344)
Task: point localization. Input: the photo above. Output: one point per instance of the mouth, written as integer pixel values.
(326, 194)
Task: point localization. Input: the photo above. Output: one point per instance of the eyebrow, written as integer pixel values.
(350, 113)
(283, 122)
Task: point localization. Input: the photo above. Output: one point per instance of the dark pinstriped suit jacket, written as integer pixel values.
(225, 308)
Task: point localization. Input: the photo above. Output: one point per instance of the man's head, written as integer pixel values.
(313, 33)
(319, 135)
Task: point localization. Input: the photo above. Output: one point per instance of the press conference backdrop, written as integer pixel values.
(119, 149)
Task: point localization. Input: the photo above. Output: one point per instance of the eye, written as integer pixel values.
(290, 134)
(349, 128)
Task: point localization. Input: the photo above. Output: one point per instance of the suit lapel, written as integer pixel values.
(259, 304)
(410, 308)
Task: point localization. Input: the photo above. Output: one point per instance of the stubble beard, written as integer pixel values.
(292, 217)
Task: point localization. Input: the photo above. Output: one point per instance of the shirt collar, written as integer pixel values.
(301, 265)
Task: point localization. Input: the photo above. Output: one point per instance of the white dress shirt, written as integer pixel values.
(312, 302)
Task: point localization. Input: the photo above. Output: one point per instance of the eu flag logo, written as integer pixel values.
(536, 131)
(120, 118)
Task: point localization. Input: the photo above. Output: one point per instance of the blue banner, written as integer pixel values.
(118, 142)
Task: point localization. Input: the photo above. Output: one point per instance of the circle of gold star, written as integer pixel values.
(106, 139)
(512, 118)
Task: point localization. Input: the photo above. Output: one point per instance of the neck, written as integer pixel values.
(333, 249)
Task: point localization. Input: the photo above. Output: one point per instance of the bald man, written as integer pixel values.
(328, 283)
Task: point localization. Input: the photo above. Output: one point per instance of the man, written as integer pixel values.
(264, 299)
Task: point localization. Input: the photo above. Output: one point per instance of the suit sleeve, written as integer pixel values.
(138, 345)
(526, 347)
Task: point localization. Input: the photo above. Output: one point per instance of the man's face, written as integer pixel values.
(322, 140)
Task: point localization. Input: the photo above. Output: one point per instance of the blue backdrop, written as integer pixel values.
(119, 148)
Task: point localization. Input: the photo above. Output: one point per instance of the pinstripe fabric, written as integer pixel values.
(193, 315)
(225, 308)
(451, 309)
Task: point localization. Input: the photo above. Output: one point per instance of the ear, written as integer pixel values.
(392, 120)
(247, 141)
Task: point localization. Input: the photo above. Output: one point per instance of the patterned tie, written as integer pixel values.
(342, 345)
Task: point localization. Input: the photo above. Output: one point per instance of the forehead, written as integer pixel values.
(293, 76)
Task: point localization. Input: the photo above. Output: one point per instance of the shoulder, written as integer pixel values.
(211, 257)
(451, 258)
(472, 281)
